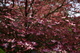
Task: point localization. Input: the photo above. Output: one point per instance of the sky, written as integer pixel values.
(75, 7)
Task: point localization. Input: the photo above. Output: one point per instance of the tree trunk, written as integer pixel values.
(26, 4)
(13, 3)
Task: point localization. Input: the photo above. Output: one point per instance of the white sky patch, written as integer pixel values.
(75, 7)
(77, 14)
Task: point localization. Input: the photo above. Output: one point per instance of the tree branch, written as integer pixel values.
(55, 10)
(26, 4)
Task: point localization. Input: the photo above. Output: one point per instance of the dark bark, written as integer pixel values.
(26, 5)
(32, 7)
(5, 2)
(13, 3)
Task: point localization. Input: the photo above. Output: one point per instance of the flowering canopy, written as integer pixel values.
(41, 25)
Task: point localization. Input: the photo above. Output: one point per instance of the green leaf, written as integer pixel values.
(79, 49)
(1, 51)
(69, 29)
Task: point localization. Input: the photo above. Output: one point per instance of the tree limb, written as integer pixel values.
(55, 10)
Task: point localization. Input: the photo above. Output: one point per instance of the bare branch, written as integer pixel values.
(26, 4)
(55, 10)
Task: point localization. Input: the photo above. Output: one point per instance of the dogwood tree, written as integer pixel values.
(38, 26)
